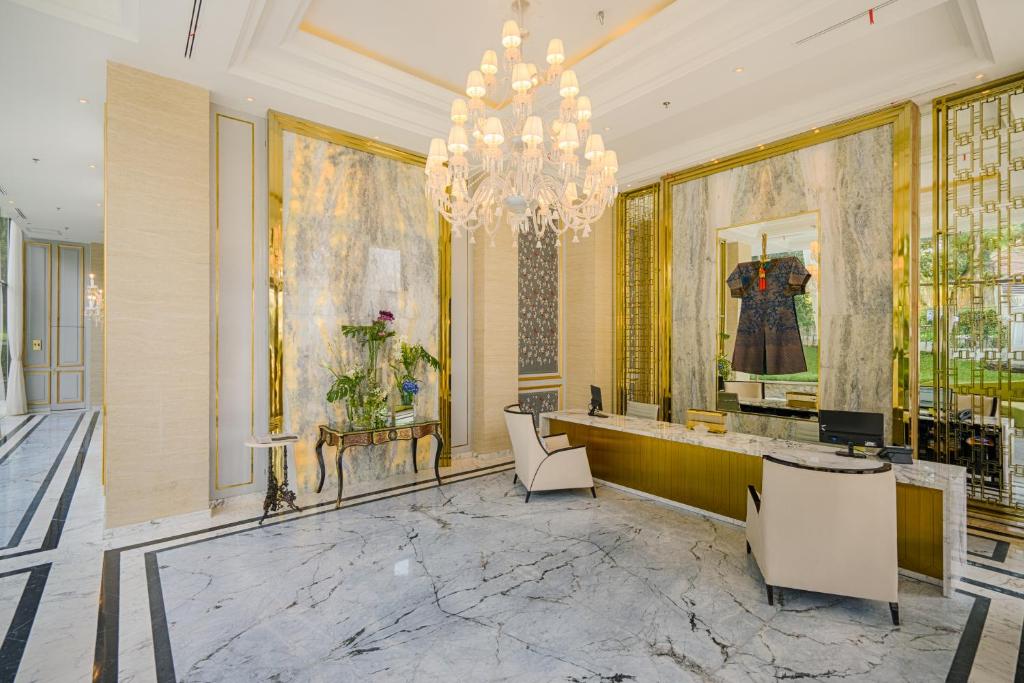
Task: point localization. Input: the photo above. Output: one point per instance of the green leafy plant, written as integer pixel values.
(407, 360)
(373, 336)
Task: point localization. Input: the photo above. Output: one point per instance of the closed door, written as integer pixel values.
(54, 342)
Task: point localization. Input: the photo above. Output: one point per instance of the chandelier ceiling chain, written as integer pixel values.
(515, 168)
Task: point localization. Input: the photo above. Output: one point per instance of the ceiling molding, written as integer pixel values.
(89, 13)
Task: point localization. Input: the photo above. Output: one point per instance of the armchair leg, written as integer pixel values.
(782, 597)
(515, 478)
(593, 491)
(771, 598)
(527, 497)
(894, 610)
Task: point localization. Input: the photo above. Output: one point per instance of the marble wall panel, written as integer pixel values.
(848, 181)
(359, 237)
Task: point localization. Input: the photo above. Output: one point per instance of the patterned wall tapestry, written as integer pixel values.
(359, 236)
(538, 306)
(538, 402)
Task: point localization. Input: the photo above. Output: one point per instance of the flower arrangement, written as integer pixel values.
(359, 385)
(408, 358)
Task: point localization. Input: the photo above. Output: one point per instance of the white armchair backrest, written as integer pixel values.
(826, 527)
(648, 411)
(526, 445)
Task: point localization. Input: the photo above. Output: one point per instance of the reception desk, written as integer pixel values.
(709, 473)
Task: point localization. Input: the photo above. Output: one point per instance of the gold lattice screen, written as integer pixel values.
(978, 361)
(639, 297)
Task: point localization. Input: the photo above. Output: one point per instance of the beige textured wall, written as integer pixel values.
(495, 369)
(590, 314)
(95, 332)
(158, 286)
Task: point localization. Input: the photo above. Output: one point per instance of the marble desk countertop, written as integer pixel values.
(922, 473)
(950, 479)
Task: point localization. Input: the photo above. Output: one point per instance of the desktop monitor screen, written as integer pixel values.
(851, 428)
(595, 398)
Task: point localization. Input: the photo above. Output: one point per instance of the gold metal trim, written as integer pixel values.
(277, 125)
(905, 120)
(216, 298)
(81, 385)
(81, 300)
(24, 297)
(661, 388)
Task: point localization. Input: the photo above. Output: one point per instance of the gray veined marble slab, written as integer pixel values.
(950, 479)
(468, 583)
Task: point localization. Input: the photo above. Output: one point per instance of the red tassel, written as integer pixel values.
(871, 16)
(761, 283)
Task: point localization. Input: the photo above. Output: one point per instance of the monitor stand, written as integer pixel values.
(850, 453)
(594, 412)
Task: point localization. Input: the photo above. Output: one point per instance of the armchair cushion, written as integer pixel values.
(554, 442)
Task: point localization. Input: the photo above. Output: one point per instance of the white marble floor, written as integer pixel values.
(464, 582)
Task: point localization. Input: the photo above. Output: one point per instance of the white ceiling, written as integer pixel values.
(382, 69)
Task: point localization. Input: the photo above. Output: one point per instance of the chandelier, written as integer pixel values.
(93, 301)
(515, 167)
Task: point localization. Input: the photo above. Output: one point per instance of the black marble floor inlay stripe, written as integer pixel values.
(30, 512)
(997, 589)
(13, 646)
(9, 435)
(1000, 570)
(158, 619)
(105, 659)
(967, 649)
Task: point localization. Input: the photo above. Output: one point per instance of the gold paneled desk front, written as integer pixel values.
(710, 473)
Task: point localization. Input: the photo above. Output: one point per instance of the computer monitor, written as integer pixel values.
(595, 401)
(851, 428)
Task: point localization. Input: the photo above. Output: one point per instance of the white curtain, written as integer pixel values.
(16, 404)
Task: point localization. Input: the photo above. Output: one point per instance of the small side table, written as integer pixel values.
(278, 493)
(346, 436)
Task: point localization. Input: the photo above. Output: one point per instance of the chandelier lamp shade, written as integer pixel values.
(532, 162)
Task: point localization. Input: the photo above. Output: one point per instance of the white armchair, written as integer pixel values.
(826, 529)
(545, 463)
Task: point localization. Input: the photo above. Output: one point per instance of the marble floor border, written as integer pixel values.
(999, 552)
(960, 668)
(16, 638)
(15, 540)
(7, 437)
(59, 517)
(105, 664)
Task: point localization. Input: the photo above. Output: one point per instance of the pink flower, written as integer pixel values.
(385, 317)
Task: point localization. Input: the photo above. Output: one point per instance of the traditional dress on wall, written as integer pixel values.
(768, 336)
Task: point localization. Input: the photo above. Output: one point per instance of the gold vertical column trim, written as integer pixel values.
(216, 298)
(444, 294)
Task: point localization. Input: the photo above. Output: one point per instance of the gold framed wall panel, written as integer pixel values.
(49, 298)
(638, 359)
(277, 124)
(81, 385)
(252, 304)
(49, 379)
(905, 121)
(81, 299)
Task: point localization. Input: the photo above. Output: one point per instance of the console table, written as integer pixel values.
(346, 436)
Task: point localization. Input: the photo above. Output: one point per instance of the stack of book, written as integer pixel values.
(405, 416)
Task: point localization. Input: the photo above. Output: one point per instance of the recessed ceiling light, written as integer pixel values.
(607, 128)
(738, 69)
(250, 99)
(10, 201)
(82, 100)
(92, 165)
(760, 146)
(817, 130)
(97, 203)
(714, 161)
(979, 76)
(376, 137)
